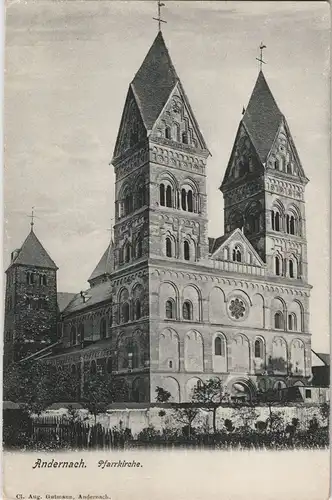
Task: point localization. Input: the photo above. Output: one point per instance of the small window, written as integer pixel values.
(184, 137)
(237, 256)
(183, 199)
(170, 364)
(73, 369)
(278, 320)
(186, 250)
(187, 310)
(170, 309)
(137, 309)
(125, 312)
(277, 221)
(308, 393)
(168, 247)
(277, 266)
(291, 269)
(169, 197)
(219, 347)
(258, 348)
(190, 201)
(127, 252)
(168, 133)
(162, 195)
(138, 247)
(292, 225)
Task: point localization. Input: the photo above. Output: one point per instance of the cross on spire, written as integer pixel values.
(32, 217)
(160, 5)
(260, 58)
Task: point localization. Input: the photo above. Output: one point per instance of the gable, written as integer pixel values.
(244, 159)
(283, 155)
(132, 129)
(178, 118)
(237, 241)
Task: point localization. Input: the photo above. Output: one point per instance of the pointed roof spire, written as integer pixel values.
(262, 117)
(32, 253)
(154, 81)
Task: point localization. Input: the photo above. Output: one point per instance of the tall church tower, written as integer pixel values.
(263, 188)
(159, 162)
(160, 206)
(31, 301)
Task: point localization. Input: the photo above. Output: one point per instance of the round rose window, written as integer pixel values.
(237, 308)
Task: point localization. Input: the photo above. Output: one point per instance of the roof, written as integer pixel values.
(325, 358)
(32, 253)
(262, 117)
(101, 292)
(105, 265)
(154, 81)
(63, 299)
(215, 243)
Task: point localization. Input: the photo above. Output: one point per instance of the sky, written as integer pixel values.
(68, 65)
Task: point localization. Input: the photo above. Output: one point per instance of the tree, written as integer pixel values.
(36, 385)
(210, 395)
(186, 415)
(163, 396)
(99, 392)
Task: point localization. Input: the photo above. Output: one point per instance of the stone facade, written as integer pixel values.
(178, 307)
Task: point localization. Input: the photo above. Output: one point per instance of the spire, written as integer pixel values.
(262, 118)
(32, 253)
(154, 81)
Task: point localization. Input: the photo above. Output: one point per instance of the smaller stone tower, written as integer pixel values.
(31, 301)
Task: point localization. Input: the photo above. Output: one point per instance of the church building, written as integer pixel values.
(167, 305)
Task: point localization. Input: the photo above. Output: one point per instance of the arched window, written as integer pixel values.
(292, 224)
(127, 252)
(170, 309)
(187, 310)
(138, 247)
(190, 201)
(162, 195)
(289, 168)
(278, 320)
(30, 278)
(81, 332)
(168, 247)
(291, 269)
(237, 256)
(125, 312)
(140, 195)
(73, 369)
(168, 133)
(183, 199)
(42, 279)
(103, 328)
(128, 203)
(169, 197)
(277, 221)
(219, 347)
(259, 348)
(277, 261)
(93, 367)
(109, 365)
(137, 309)
(292, 323)
(121, 256)
(73, 335)
(186, 250)
(184, 137)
